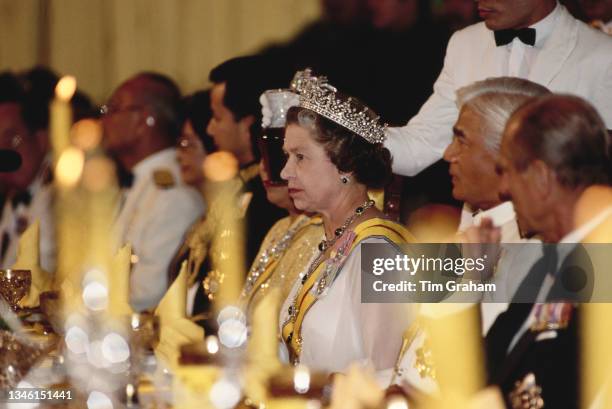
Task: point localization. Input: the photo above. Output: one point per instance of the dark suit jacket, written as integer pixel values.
(553, 359)
(552, 356)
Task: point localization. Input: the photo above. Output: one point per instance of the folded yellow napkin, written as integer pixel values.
(119, 283)
(175, 328)
(28, 258)
(263, 346)
(172, 304)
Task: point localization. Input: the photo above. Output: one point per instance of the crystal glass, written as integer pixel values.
(14, 285)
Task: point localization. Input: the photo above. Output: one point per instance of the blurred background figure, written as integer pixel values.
(24, 121)
(235, 127)
(194, 143)
(456, 14)
(141, 123)
(344, 12)
(598, 13)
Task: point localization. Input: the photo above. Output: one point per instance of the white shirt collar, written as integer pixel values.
(159, 159)
(500, 214)
(545, 26)
(577, 235)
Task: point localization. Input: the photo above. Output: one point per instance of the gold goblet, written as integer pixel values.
(145, 330)
(14, 285)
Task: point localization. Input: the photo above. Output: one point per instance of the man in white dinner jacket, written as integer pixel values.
(141, 122)
(566, 56)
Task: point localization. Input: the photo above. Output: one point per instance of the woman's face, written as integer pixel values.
(313, 180)
(190, 154)
(276, 194)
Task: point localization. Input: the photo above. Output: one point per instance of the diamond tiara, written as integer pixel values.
(319, 96)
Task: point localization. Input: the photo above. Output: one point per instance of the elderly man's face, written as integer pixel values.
(516, 185)
(504, 14)
(123, 117)
(472, 165)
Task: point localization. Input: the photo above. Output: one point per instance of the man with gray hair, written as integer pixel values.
(484, 108)
(554, 149)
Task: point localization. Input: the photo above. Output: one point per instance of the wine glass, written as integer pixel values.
(14, 285)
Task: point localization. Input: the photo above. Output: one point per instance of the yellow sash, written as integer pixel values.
(291, 331)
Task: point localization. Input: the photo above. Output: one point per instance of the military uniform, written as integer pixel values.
(532, 353)
(533, 349)
(153, 217)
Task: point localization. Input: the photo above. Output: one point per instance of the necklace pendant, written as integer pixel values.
(323, 246)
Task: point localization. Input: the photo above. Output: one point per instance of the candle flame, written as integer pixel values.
(301, 379)
(70, 167)
(65, 88)
(212, 344)
(135, 321)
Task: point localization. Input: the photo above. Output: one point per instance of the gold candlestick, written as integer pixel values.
(220, 169)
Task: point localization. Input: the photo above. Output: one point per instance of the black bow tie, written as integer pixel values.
(526, 35)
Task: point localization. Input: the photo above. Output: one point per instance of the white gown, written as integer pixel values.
(339, 330)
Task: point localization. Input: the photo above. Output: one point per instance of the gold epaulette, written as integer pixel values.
(163, 178)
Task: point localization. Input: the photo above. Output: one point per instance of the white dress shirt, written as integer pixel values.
(568, 57)
(154, 219)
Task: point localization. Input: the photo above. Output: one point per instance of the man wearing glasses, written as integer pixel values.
(141, 123)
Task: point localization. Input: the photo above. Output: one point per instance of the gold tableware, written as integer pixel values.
(14, 285)
(144, 328)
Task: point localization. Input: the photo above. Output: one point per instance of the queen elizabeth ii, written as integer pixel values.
(334, 155)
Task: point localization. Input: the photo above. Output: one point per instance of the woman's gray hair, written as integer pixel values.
(494, 100)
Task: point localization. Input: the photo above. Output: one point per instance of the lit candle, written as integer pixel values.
(61, 114)
(459, 376)
(68, 227)
(301, 379)
(220, 168)
(135, 321)
(212, 344)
